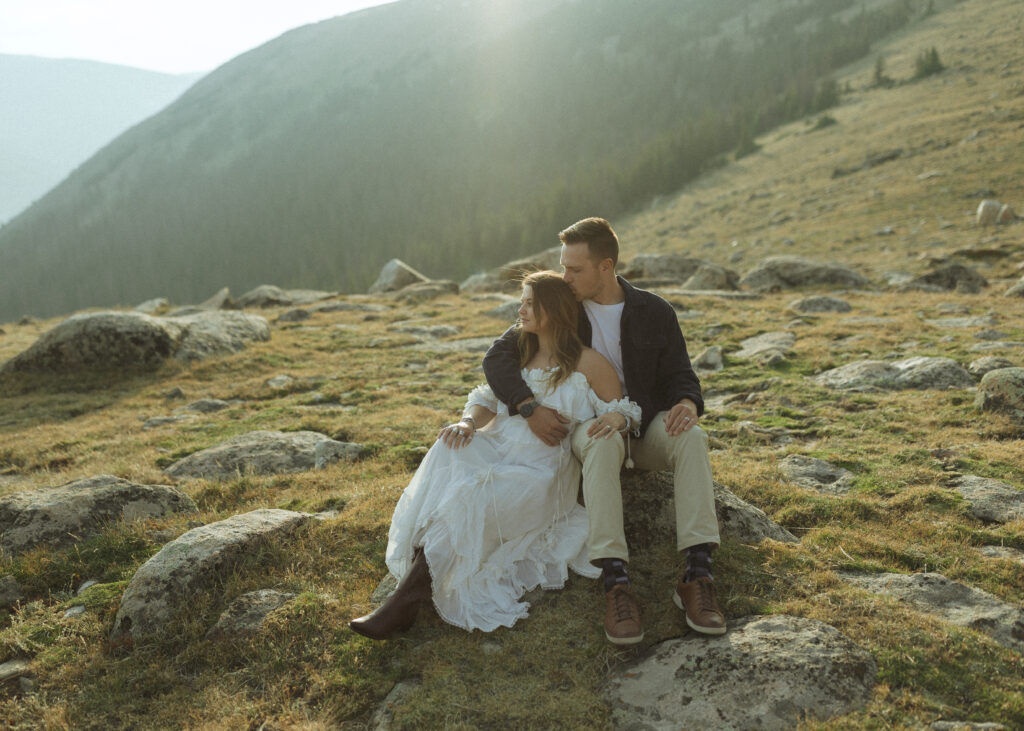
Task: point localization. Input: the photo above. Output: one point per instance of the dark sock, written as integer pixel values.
(698, 562)
(613, 572)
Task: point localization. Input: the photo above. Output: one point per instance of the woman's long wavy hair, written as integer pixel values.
(553, 300)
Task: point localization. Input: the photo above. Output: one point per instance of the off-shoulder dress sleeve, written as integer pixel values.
(482, 395)
(629, 409)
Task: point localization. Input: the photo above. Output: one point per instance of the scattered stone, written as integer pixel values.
(208, 405)
(983, 365)
(247, 613)
(158, 421)
(963, 322)
(1002, 390)
(463, 345)
(511, 274)
(219, 301)
(988, 212)
(384, 589)
(767, 348)
(966, 726)
(991, 500)
(348, 307)
(63, 515)
(174, 393)
(990, 335)
(791, 272)
(918, 373)
(329, 451)
(710, 360)
(508, 311)
(86, 585)
(772, 672)
(395, 275)
(296, 315)
(258, 452)
(10, 592)
(819, 304)
(751, 432)
(209, 334)
(193, 562)
(483, 282)
(672, 267)
(420, 292)
(150, 306)
(265, 295)
(1017, 290)
(279, 382)
(712, 276)
(1006, 214)
(955, 603)
(384, 716)
(427, 331)
(947, 278)
(75, 611)
(1003, 552)
(816, 474)
(13, 669)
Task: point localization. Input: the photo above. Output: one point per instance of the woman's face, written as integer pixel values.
(531, 319)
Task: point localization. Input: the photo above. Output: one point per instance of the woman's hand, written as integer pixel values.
(607, 425)
(457, 435)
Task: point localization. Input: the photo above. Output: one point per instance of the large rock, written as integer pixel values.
(819, 304)
(192, 563)
(420, 292)
(649, 512)
(792, 272)
(991, 500)
(1002, 390)
(672, 267)
(268, 295)
(712, 277)
(247, 614)
(988, 212)
(395, 275)
(258, 452)
(766, 348)
(917, 373)
(511, 273)
(772, 672)
(1017, 290)
(946, 278)
(709, 360)
(816, 474)
(117, 340)
(63, 515)
(955, 603)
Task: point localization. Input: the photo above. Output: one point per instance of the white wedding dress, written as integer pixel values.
(499, 517)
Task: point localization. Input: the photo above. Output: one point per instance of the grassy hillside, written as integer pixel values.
(453, 135)
(307, 671)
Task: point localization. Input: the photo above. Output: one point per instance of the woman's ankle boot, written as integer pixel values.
(398, 612)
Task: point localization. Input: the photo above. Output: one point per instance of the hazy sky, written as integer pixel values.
(175, 37)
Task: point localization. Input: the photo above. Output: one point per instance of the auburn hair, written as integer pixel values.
(554, 301)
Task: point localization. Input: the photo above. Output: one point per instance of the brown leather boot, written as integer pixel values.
(697, 599)
(398, 612)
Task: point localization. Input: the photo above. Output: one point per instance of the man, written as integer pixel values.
(639, 333)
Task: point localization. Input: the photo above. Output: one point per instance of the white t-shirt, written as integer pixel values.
(606, 322)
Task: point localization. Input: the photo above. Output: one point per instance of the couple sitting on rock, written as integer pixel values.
(492, 511)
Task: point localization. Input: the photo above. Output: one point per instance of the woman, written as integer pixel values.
(491, 513)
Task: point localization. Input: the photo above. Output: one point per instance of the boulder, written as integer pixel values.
(462, 345)
(1002, 390)
(918, 373)
(10, 592)
(792, 272)
(712, 277)
(991, 500)
(483, 282)
(214, 333)
(710, 360)
(192, 563)
(219, 301)
(816, 474)
(247, 614)
(432, 332)
(420, 292)
(60, 516)
(983, 365)
(952, 602)
(1006, 214)
(258, 452)
(349, 307)
(819, 304)
(158, 421)
(265, 295)
(395, 275)
(329, 451)
(767, 348)
(511, 274)
(649, 513)
(296, 315)
(207, 405)
(150, 306)
(954, 323)
(1003, 552)
(947, 278)
(1017, 290)
(988, 212)
(507, 311)
(674, 267)
(774, 672)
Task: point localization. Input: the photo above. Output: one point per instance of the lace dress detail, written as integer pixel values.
(499, 517)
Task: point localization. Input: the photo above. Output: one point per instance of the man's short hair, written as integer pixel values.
(597, 234)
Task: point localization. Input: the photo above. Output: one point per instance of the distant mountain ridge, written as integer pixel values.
(454, 135)
(56, 113)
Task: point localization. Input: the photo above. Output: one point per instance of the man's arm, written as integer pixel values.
(680, 380)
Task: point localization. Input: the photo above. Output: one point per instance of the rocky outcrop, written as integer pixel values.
(778, 273)
(952, 602)
(816, 474)
(947, 278)
(916, 373)
(668, 267)
(991, 500)
(258, 452)
(395, 275)
(268, 295)
(247, 614)
(818, 305)
(770, 672)
(60, 516)
(119, 340)
(1002, 391)
(193, 562)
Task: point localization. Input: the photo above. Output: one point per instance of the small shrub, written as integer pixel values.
(928, 63)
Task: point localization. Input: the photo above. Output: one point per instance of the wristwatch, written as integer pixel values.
(526, 410)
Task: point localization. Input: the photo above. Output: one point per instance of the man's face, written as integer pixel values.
(579, 271)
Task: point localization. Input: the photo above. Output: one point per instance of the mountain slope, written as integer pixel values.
(54, 114)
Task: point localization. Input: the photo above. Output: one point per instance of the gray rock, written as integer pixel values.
(482, 282)
(258, 452)
(150, 306)
(767, 348)
(13, 669)
(279, 382)
(710, 360)
(463, 345)
(348, 307)
(174, 393)
(159, 421)
(1017, 290)
(791, 272)
(770, 672)
(395, 275)
(991, 500)
(712, 276)
(674, 267)
(966, 726)
(1003, 552)
(420, 292)
(750, 432)
(209, 334)
(962, 322)
(427, 331)
(265, 295)
(1006, 214)
(819, 304)
(816, 474)
(247, 613)
(955, 603)
(917, 373)
(75, 611)
(511, 273)
(10, 592)
(384, 589)
(983, 365)
(1002, 391)
(63, 515)
(219, 301)
(296, 315)
(988, 212)
(208, 405)
(507, 311)
(947, 277)
(383, 717)
(192, 563)
(329, 451)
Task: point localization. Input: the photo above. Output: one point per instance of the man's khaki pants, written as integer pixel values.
(685, 454)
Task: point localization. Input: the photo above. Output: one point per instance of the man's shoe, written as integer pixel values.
(697, 599)
(622, 617)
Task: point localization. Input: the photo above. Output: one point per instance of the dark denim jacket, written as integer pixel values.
(655, 363)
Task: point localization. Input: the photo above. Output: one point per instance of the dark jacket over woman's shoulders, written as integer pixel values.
(655, 363)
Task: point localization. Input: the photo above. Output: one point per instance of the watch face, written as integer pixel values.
(527, 409)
